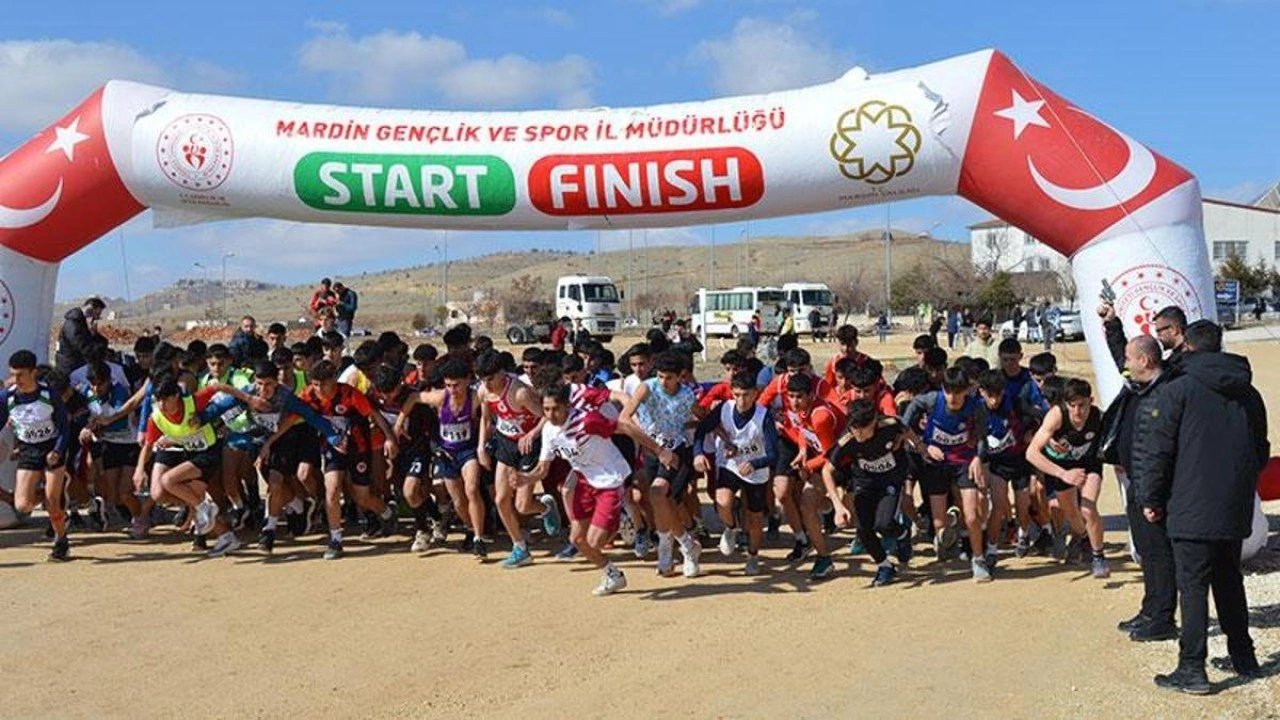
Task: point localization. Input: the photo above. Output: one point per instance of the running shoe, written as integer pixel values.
(991, 558)
(904, 550)
(568, 552)
(421, 541)
(610, 584)
(753, 565)
(480, 549)
(206, 511)
(468, 541)
(885, 574)
(1101, 570)
(61, 550)
(200, 543)
(1044, 542)
(627, 534)
(334, 550)
(666, 555)
(519, 557)
(551, 516)
(829, 522)
(236, 517)
(822, 568)
(642, 546)
(439, 531)
(390, 526)
(1059, 540)
(728, 542)
(267, 541)
(227, 543)
(701, 532)
(798, 552)
(857, 547)
(691, 554)
(772, 527)
(139, 528)
(947, 539)
(981, 573)
(369, 522)
(180, 517)
(1022, 546)
(1077, 549)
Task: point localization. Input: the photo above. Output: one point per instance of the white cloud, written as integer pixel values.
(40, 80)
(394, 66)
(763, 55)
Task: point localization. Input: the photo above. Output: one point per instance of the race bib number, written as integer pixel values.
(268, 421)
(878, 466)
(191, 442)
(37, 433)
(1000, 444)
(509, 427)
(455, 432)
(232, 415)
(941, 437)
(568, 453)
(667, 442)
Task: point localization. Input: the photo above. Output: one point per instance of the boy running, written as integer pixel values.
(40, 427)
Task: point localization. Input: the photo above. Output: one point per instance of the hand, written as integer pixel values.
(669, 458)
(1153, 515)
(390, 448)
(263, 456)
(1106, 311)
(1058, 446)
(258, 404)
(978, 474)
(139, 479)
(53, 459)
(401, 430)
(842, 515)
(1075, 477)
(86, 436)
(341, 447)
(525, 444)
(730, 450)
(745, 469)
(935, 453)
(701, 464)
(482, 456)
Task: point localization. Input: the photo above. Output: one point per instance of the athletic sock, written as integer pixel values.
(686, 541)
(296, 505)
(521, 545)
(548, 506)
(885, 563)
(420, 517)
(270, 523)
(386, 513)
(1098, 555)
(991, 548)
(335, 535)
(664, 537)
(802, 537)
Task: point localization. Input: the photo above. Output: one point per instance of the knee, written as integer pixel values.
(24, 506)
(579, 538)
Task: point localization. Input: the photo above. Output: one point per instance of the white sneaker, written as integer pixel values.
(610, 584)
(205, 514)
(227, 544)
(753, 565)
(691, 567)
(421, 541)
(728, 542)
(666, 555)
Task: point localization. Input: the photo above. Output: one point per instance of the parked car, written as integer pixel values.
(1070, 326)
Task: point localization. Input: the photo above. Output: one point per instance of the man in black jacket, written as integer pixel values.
(1198, 448)
(1146, 372)
(77, 334)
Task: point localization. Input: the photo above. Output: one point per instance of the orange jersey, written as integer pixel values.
(858, 358)
(818, 429)
(777, 390)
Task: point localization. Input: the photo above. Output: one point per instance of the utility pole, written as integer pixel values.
(225, 255)
(712, 286)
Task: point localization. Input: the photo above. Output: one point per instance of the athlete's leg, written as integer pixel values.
(999, 491)
(974, 503)
(813, 501)
(504, 496)
(1089, 493)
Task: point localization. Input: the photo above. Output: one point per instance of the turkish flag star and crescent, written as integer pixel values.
(1051, 169)
(60, 191)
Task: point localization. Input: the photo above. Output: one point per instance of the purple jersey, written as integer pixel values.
(457, 428)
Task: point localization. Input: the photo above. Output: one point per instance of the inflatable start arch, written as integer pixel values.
(974, 125)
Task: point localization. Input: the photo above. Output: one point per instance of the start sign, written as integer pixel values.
(410, 184)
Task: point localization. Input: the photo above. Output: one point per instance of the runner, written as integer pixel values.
(583, 438)
(813, 428)
(847, 336)
(115, 444)
(864, 474)
(739, 442)
(455, 460)
(1074, 426)
(349, 412)
(511, 415)
(41, 430)
(410, 474)
(954, 441)
(1006, 462)
(662, 407)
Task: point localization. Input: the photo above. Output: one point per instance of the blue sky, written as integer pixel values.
(1195, 79)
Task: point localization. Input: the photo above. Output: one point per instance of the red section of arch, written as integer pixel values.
(1069, 148)
(60, 191)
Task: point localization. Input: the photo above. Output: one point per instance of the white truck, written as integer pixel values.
(594, 299)
(805, 297)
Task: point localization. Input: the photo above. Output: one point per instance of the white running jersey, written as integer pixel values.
(584, 442)
(748, 439)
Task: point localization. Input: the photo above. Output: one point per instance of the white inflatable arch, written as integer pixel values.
(974, 125)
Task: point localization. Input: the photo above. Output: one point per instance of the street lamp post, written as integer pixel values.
(225, 255)
(712, 286)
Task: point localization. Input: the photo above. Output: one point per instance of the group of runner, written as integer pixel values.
(618, 450)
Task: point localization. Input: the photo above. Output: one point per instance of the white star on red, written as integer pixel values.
(1023, 113)
(66, 139)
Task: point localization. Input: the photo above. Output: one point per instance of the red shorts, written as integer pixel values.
(603, 507)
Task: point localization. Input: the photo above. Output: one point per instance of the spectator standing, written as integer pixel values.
(953, 327)
(560, 334)
(1198, 453)
(1033, 324)
(78, 333)
(935, 327)
(754, 329)
(246, 345)
(882, 326)
(984, 344)
(323, 297)
(815, 325)
(1050, 317)
(347, 301)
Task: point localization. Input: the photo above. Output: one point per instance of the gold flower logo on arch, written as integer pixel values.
(875, 142)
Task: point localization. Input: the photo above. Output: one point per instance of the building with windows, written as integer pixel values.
(1251, 231)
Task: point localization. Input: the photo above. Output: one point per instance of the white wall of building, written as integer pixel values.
(1252, 233)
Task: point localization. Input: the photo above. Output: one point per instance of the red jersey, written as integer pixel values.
(883, 400)
(511, 422)
(718, 393)
(348, 411)
(818, 429)
(858, 358)
(777, 389)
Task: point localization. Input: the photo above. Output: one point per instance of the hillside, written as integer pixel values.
(852, 266)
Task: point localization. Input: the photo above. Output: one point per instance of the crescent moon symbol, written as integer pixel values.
(1131, 181)
(12, 219)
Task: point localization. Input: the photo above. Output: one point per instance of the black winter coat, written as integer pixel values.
(73, 341)
(1199, 443)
